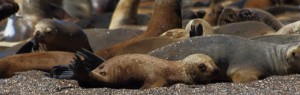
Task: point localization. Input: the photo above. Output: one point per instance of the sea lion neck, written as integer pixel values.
(125, 13)
(166, 16)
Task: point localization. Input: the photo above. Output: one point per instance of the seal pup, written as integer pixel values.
(239, 59)
(231, 15)
(55, 35)
(167, 15)
(8, 7)
(43, 61)
(143, 71)
(245, 29)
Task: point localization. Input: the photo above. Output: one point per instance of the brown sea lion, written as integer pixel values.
(43, 61)
(78, 8)
(232, 15)
(261, 4)
(55, 35)
(166, 16)
(292, 28)
(7, 8)
(239, 59)
(246, 29)
(143, 71)
(125, 14)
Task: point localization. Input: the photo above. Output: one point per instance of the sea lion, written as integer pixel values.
(232, 15)
(167, 15)
(246, 29)
(261, 4)
(43, 61)
(143, 71)
(55, 35)
(239, 59)
(278, 39)
(8, 7)
(292, 28)
(125, 14)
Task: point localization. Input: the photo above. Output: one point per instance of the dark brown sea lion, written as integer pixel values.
(232, 15)
(239, 59)
(245, 29)
(7, 8)
(43, 61)
(143, 71)
(166, 16)
(278, 39)
(55, 35)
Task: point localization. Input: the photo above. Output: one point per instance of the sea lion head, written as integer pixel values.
(44, 29)
(228, 15)
(201, 68)
(293, 57)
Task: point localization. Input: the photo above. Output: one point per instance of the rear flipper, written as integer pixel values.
(245, 76)
(61, 72)
(82, 68)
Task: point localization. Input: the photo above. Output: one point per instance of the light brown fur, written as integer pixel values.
(149, 72)
(43, 61)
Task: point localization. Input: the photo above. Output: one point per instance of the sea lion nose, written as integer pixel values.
(37, 33)
(215, 72)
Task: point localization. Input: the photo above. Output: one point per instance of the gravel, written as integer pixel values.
(35, 83)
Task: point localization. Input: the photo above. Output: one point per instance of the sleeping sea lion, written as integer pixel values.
(166, 16)
(239, 59)
(55, 35)
(43, 61)
(232, 15)
(143, 71)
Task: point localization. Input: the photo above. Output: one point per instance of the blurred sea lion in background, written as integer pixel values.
(167, 15)
(44, 61)
(7, 8)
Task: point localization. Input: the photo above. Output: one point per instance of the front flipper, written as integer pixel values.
(245, 75)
